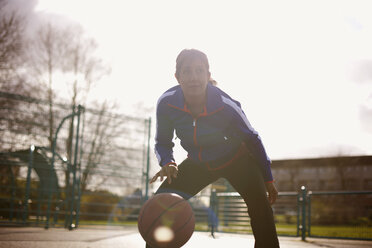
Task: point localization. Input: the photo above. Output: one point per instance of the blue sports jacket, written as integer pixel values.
(216, 133)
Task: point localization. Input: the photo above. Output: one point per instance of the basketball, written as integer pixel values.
(166, 220)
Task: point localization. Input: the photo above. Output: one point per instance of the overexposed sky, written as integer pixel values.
(301, 69)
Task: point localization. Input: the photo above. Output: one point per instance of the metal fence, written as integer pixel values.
(338, 214)
(91, 168)
(64, 165)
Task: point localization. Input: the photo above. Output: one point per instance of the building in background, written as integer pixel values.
(324, 174)
(318, 174)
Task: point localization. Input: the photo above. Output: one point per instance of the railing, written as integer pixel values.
(338, 214)
(87, 175)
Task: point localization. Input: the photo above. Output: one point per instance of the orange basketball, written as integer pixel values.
(166, 220)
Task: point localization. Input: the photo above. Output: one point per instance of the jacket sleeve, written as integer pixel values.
(252, 141)
(164, 137)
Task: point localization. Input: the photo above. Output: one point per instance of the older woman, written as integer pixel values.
(219, 140)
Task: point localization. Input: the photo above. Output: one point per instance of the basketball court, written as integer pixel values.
(128, 237)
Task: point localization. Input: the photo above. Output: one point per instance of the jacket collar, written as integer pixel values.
(214, 100)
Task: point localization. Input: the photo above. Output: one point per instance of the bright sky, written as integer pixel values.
(295, 66)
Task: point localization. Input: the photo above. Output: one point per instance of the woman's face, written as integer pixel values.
(193, 77)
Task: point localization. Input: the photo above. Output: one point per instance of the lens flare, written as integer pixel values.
(163, 234)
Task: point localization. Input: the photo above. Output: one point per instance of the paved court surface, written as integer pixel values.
(128, 237)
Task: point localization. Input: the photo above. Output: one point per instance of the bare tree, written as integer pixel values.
(14, 44)
(102, 139)
(11, 47)
(15, 118)
(86, 69)
(114, 150)
(80, 61)
(65, 54)
(66, 51)
(48, 46)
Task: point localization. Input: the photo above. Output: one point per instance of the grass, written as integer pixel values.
(355, 232)
(285, 230)
(348, 232)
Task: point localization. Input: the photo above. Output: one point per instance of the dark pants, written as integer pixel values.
(244, 175)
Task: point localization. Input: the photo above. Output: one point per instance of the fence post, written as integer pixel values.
(69, 164)
(13, 194)
(144, 161)
(298, 214)
(309, 213)
(79, 179)
(52, 165)
(303, 212)
(148, 161)
(73, 191)
(67, 192)
(28, 183)
(212, 212)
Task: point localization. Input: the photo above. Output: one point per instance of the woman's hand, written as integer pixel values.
(169, 170)
(273, 192)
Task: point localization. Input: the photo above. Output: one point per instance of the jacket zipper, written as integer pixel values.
(194, 123)
(195, 140)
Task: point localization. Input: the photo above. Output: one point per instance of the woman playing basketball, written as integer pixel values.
(220, 142)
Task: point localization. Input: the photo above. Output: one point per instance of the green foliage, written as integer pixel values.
(285, 219)
(98, 205)
(359, 232)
